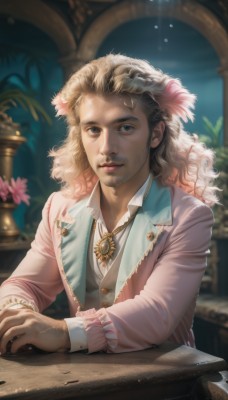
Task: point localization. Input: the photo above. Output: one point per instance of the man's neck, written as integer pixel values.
(114, 204)
(113, 207)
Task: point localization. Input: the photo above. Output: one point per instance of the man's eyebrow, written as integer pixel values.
(85, 123)
(115, 121)
(127, 118)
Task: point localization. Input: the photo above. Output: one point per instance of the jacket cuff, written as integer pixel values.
(101, 333)
(17, 302)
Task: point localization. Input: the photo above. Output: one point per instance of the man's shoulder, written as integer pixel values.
(59, 203)
(180, 196)
(58, 199)
(183, 202)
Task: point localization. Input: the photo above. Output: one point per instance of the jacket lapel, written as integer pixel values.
(148, 224)
(74, 248)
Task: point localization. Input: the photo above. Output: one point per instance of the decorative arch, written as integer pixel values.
(189, 12)
(44, 18)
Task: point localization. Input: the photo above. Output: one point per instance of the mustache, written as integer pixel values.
(110, 160)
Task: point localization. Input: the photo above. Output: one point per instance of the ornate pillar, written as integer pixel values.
(224, 73)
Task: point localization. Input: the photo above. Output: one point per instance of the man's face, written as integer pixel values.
(115, 138)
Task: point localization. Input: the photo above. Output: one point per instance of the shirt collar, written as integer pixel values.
(136, 201)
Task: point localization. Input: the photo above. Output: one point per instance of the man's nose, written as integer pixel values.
(108, 143)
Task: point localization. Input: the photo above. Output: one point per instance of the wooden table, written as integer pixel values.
(167, 372)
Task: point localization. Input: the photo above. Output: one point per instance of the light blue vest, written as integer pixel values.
(156, 210)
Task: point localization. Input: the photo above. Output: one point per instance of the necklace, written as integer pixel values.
(106, 246)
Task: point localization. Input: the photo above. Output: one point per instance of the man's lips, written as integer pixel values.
(109, 168)
(108, 165)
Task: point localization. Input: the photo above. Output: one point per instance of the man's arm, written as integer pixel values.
(36, 281)
(165, 306)
(30, 289)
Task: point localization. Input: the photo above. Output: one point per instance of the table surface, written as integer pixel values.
(213, 309)
(73, 376)
(22, 243)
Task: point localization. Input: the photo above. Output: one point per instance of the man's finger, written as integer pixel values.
(18, 343)
(10, 322)
(9, 337)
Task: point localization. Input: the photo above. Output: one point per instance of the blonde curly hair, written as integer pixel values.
(180, 159)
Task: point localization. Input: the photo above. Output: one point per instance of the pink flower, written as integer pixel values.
(177, 100)
(60, 105)
(18, 190)
(4, 189)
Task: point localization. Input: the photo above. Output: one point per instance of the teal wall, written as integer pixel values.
(179, 50)
(168, 44)
(30, 60)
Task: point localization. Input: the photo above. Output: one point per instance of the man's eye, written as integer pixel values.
(126, 128)
(93, 130)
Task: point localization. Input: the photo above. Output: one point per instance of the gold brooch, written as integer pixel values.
(105, 247)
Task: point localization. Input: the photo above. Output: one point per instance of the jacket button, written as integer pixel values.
(64, 231)
(150, 235)
(104, 290)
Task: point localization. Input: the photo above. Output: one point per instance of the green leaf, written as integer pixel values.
(13, 97)
(214, 132)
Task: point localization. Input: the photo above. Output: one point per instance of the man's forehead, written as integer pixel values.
(123, 100)
(116, 108)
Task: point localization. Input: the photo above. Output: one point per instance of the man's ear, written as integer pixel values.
(157, 134)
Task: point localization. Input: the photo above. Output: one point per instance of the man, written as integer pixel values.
(128, 234)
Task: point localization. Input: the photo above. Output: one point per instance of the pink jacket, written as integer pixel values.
(159, 276)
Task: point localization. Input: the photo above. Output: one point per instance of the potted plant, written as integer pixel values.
(13, 192)
(213, 138)
(217, 271)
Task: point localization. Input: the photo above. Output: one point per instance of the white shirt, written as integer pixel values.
(101, 277)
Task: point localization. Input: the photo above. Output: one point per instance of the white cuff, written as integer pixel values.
(77, 334)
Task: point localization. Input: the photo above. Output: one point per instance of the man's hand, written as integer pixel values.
(24, 326)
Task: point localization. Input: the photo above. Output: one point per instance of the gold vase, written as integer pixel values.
(9, 144)
(10, 140)
(8, 227)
